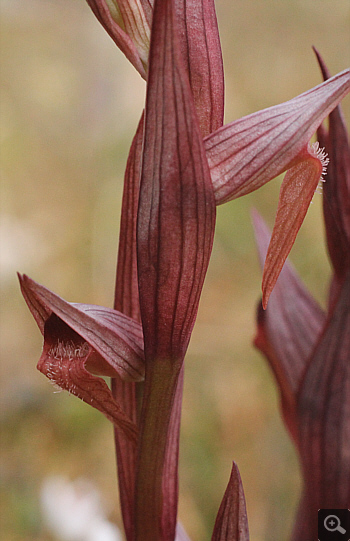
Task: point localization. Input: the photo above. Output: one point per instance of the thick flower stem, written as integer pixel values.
(151, 511)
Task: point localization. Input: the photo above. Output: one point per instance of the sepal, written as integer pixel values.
(249, 152)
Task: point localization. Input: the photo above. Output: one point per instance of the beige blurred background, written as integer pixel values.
(70, 104)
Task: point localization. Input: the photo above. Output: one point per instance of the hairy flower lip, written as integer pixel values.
(115, 337)
(61, 341)
(64, 364)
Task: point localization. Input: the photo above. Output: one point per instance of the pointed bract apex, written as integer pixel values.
(324, 70)
(231, 522)
(40, 311)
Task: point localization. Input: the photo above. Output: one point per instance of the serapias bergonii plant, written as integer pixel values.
(182, 163)
(308, 348)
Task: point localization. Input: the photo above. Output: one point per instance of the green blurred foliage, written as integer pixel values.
(70, 104)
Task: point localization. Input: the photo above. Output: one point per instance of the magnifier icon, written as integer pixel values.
(332, 524)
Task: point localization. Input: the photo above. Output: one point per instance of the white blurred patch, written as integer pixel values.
(20, 245)
(72, 511)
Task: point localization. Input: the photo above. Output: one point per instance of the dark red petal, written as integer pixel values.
(297, 190)
(324, 415)
(288, 330)
(201, 50)
(117, 338)
(231, 521)
(248, 152)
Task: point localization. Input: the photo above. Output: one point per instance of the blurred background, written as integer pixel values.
(70, 103)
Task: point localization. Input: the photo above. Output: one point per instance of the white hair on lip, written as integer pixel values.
(322, 156)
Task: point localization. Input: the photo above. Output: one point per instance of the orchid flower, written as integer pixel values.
(308, 349)
(82, 342)
(247, 153)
